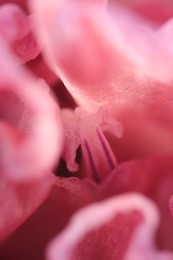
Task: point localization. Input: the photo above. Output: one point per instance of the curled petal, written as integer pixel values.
(151, 176)
(18, 30)
(113, 229)
(30, 128)
(14, 22)
(21, 3)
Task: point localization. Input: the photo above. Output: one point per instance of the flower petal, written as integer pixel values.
(30, 239)
(151, 176)
(120, 58)
(157, 11)
(30, 128)
(19, 201)
(18, 30)
(21, 3)
(147, 128)
(118, 228)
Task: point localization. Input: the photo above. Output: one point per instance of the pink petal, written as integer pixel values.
(14, 22)
(19, 201)
(30, 239)
(118, 228)
(30, 129)
(21, 3)
(41, 70)
(157, 11)
(18, 30)
(26, 48)
(151, 176)
(147, 128)
(116, 60)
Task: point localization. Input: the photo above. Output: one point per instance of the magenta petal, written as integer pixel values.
(120, 228)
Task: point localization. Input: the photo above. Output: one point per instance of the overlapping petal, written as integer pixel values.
(120, 228)
(18, 30)
(19, 200)
(31, 238)
(147, 128)
(21, 3)
(113, 60)
(30, 128)
(103, 60)
(151, 176)
(30, 142)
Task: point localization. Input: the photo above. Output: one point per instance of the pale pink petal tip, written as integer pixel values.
(122, 227)
(30, 130)
(18, 30)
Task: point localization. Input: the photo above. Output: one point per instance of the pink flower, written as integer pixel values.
(113, 130)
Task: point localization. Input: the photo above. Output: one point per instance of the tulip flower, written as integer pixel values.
(86, 130)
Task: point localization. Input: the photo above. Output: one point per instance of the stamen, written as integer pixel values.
(98, 159)
(91, 163)
(106, 151)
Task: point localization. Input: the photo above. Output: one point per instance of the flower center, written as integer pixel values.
(87, 130)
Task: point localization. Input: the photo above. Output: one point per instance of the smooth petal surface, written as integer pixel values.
(157, 11)
(147, 128)
(120, 58)
(95, 232)
(30, 128)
